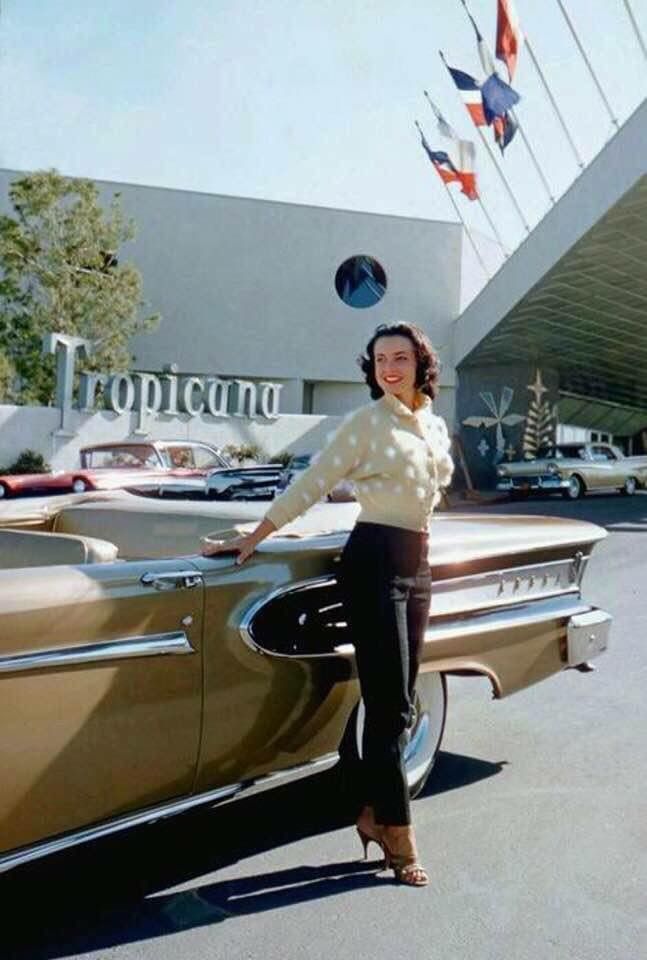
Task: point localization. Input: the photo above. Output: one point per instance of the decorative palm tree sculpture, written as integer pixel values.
(540, 422)
(499, 417)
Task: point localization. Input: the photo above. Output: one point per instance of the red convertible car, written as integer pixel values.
(107, 466)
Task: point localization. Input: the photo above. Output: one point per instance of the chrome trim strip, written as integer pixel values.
(152, 645)
(494, 591)
(220, 795)
(511, 570)
(521, 615)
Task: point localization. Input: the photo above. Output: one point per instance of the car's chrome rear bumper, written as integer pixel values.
(587, 636)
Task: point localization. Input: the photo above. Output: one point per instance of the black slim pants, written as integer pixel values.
(385, 583)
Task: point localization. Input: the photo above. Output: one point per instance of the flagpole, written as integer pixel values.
(496, 166)
(481, 43)
(441, 120)
(460, 217)
(467, 231)
(504, 180)
(540, 172)
(493, 228)
(634, 24)
(550, 96)
(588, 63)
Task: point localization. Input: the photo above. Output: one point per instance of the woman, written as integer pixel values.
(396, 453)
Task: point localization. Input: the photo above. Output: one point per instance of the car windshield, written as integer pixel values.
(116, 458)
(193, 456)
(564, 451)
(207, 458)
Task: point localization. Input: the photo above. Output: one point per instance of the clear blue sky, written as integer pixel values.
(310, 101)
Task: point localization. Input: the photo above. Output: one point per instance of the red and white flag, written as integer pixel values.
(463, 154)
(508, 35)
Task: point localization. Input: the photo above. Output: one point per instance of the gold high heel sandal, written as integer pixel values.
(406, 868)
(367, 838)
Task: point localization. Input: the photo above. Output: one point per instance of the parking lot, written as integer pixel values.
(533, 826)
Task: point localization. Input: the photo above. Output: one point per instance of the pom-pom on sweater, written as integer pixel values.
(396, 458)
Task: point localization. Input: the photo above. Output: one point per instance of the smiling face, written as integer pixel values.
(395, 367)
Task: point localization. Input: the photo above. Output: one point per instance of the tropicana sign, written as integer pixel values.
(169, 393)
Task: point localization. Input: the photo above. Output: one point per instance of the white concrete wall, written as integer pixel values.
(246, 287)
(338, 398)
(37, 428)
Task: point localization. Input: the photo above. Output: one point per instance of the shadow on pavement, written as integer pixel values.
(110, 892)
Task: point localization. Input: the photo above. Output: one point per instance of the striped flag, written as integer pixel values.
(448, 171)
(488, 103)
(470, 92)
(464, 151)
(508, 35)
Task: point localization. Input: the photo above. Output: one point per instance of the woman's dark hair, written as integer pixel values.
(427, 362)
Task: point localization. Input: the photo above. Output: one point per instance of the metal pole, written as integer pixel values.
(639, 35)
(458, 212)
(588, 63)
(540, 172)
(493, 228)
(504, 181)
(467, 231)
(550, 96)
(497, 167)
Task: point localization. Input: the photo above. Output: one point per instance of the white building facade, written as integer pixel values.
(246, 290)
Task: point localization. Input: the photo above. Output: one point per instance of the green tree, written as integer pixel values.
(7, 377)
(60, 270)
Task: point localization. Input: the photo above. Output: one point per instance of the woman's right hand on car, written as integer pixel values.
(244, 545)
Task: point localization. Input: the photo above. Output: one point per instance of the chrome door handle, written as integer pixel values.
(173, 580)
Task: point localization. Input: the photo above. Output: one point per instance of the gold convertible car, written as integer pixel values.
(139, 679)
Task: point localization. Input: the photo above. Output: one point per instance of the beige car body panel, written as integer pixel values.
(98, 731)
(604, 467)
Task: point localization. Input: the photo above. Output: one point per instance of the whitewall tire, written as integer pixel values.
(424, 737)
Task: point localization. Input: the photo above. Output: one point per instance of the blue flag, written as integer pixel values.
(498, 96)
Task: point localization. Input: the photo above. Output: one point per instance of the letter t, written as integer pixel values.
(65, 347)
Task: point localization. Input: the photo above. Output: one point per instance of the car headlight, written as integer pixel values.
(502, 471)
(552, 468)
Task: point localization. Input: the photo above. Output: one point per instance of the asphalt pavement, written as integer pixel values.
(533, 826)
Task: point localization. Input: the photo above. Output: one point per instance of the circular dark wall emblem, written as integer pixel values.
(360, 281)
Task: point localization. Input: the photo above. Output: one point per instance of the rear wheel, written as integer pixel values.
(629, 487)
(425, 734)
(79, 485)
